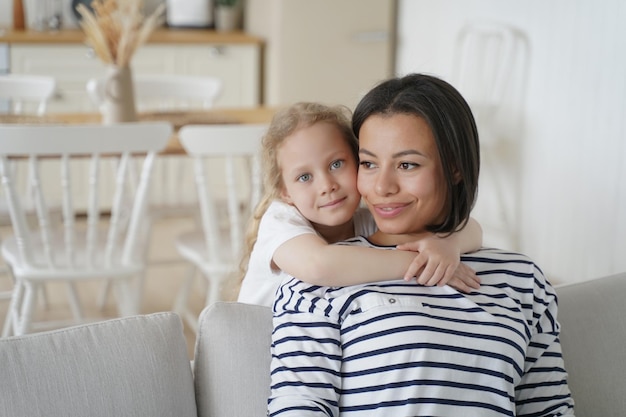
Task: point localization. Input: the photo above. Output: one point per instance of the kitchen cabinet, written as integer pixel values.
(234, 57)
(237, 65)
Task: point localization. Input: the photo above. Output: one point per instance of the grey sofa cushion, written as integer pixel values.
(134, 366)
(593, 336)
(232, 360)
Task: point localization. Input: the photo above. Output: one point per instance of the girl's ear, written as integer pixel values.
(285, 196)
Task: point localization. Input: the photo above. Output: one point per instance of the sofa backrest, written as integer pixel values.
(593, 337)
(133, 366)
(232, 360)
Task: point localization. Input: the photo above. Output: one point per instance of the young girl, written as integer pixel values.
(311, 200)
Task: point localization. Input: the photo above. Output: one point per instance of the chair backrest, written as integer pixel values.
(484, 61)
(27, 93)
(232, 360)
(226, 198)
(165, 92)
(103, 147)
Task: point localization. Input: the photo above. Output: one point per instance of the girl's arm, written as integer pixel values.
(438, 261)
(314, 261)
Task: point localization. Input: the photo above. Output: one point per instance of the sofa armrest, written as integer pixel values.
(593, 337)
(232, 360)
(132, 366)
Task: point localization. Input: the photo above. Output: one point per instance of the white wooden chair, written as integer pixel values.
(27, 93)
(101, 247)
(489, 70)
(23, 94)
(228, 179)
(168, 93)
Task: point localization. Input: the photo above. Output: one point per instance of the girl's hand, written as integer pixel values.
(438, 263)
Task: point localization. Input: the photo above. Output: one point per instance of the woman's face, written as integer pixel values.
(400, 175)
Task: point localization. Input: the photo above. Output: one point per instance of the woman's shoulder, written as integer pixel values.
(494, 257)
(513, 268)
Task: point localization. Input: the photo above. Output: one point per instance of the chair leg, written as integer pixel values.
(181, 305)
(125, 295)
(11, 320)
(103, 295)
(214, 290)
(75, 305)
(28, 305)
(43, 293)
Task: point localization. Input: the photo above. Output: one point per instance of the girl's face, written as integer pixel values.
(400, 176)
(319, 175)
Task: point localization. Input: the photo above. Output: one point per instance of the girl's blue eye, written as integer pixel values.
(337, 164)
(304, 178)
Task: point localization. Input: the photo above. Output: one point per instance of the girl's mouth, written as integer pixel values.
(333, 203)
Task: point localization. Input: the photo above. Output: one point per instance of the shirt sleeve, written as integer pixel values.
(280, 223)
(543, 389)
(305, 332)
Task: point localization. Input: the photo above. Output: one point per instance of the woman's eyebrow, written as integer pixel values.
(395, 155)
(408, 152)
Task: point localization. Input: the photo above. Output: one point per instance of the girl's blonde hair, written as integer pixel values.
(284, 124)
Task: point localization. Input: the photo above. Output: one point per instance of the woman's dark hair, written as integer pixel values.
(453, 127)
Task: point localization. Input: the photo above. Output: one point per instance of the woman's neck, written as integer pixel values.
(388, 239)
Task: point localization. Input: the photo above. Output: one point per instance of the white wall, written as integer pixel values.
(571, 189)
(6, 13)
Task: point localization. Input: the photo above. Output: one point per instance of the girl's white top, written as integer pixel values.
(280, 223)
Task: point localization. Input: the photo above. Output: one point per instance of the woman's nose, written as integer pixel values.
(385, 183)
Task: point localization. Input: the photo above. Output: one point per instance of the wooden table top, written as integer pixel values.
(252, 115)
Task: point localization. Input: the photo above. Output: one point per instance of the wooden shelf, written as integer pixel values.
(164, 35)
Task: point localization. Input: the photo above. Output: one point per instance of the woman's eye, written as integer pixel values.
(337, 164)
(408, 165)
(367, 164)
(304, 178)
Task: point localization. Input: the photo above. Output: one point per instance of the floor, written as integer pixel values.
(161, 286)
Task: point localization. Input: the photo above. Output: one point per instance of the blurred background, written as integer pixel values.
(553, 181)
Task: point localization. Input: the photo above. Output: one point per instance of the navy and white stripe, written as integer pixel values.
(398, 348)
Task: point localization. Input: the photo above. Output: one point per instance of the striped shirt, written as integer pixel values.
(397, 348)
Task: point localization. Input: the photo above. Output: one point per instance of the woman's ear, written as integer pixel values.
(456, 175)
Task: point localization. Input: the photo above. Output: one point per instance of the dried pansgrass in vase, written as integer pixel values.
(115, 29)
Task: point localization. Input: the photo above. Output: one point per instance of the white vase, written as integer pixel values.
(119, 97)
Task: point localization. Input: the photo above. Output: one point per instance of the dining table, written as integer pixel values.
(178, 119)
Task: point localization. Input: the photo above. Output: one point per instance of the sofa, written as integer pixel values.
(138, 366)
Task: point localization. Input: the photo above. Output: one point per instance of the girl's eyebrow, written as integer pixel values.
(395, 155)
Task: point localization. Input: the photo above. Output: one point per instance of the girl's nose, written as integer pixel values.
(328, 184)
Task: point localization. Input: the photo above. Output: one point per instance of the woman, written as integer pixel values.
(392, 348)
